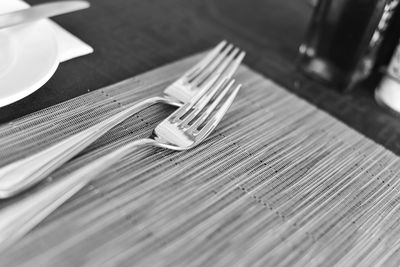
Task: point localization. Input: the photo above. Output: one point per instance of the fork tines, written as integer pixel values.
(203, 114)
(221, 62)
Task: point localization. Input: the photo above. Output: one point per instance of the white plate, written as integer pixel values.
(28, 58)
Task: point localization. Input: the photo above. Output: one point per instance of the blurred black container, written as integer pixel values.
(344, 40)
(387, 47)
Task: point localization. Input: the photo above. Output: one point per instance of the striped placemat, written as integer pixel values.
(279, 183)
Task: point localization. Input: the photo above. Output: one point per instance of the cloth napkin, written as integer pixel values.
(69, 45)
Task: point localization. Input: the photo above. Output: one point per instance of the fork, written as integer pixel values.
(185, 128)
(219, 64)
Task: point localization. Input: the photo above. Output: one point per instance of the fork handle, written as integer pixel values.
(28, 171)
(20, 217)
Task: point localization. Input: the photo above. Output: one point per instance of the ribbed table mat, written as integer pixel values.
(279, 183)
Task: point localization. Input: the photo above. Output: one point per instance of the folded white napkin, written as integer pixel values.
(69, 46)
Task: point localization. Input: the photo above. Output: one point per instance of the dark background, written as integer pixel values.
(133, 36)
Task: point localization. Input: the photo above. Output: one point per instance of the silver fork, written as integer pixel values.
(219, 64)
(185, 128)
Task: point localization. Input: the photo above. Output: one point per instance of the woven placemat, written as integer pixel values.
(279, 183)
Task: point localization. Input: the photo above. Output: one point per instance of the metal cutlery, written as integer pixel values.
(40, 11)
(185, 128)
(219, 64)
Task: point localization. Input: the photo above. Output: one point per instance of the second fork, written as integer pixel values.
(185, 128)
(220, 63)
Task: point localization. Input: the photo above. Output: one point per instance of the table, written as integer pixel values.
(133, 36)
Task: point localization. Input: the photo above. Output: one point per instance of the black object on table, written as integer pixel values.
(343, 38)
(130, 37)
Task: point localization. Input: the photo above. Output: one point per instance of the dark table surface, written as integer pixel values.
(132, 36)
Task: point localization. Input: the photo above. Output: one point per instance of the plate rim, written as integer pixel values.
(45, 28)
